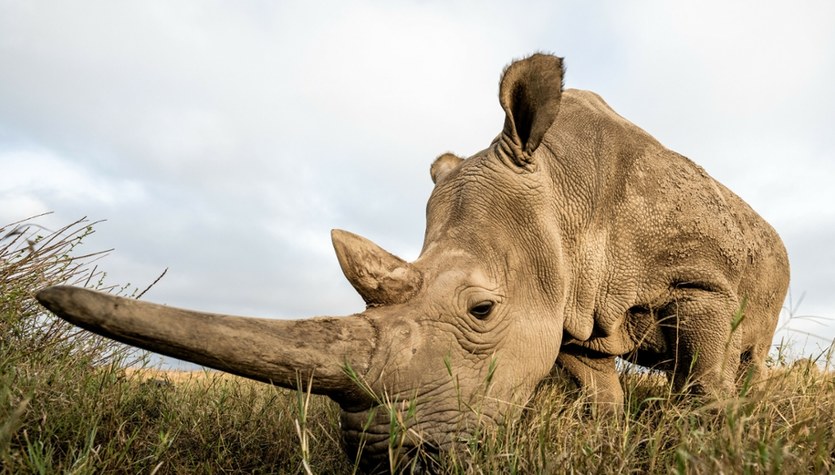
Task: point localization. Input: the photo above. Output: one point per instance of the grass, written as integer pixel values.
(68, 405)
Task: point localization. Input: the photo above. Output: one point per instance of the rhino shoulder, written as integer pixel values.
(586, 116)
(581, 100)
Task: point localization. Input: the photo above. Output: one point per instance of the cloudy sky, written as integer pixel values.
(223, 140)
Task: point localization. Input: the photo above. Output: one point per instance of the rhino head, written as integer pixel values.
(451, 340)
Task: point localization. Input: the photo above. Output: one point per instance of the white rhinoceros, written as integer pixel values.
(572, 239)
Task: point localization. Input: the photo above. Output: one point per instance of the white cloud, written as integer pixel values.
(13, 207)
(741, 73)
(32, 176)
(224, 141)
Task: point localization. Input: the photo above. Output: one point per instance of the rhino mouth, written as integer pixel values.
(402, 438)
(376, 454)
(381, 441)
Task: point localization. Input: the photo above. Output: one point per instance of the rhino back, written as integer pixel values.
(649, 221)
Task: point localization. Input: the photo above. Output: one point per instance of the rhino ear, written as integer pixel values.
(380, 277)
(443, 165)
(529, 93)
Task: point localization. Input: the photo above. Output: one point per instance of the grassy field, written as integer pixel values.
(68, 405)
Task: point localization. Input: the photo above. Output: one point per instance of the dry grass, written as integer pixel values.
(67, 405)
(177, 377)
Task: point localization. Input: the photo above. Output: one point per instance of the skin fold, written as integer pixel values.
(572, 239)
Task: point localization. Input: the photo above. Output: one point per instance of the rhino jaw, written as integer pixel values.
(273, 351)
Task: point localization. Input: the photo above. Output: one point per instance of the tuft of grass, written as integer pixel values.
(69, 404)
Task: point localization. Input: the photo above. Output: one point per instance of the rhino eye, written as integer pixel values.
(482, 309)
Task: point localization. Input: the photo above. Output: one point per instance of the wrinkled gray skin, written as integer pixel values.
(574, 238)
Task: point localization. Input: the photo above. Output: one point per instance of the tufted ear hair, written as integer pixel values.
(530, 93)
(443, 165)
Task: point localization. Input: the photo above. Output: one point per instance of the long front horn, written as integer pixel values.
(273, 351)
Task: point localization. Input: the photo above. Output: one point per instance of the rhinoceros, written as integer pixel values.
(573, 239)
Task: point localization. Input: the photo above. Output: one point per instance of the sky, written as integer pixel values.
(224, 140)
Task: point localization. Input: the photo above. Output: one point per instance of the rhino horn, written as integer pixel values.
(443, 165)
(530, 93)
(268, 350)
(380, 277)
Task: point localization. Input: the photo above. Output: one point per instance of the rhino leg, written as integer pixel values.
(752, 363)
(706, 353)
(596, 376)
